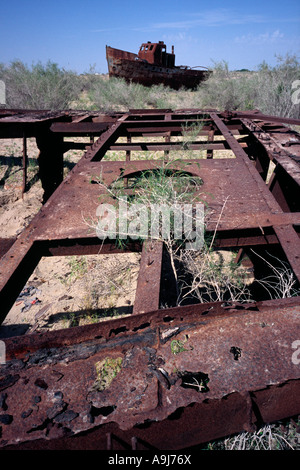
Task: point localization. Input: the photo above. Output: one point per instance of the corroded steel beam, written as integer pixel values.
(208, 370)
(78, 128)
(149, 275)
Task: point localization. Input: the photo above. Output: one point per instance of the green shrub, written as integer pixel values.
(115, 94)
(39, 87)
(274, 87)
(226, 90)
(269, 89)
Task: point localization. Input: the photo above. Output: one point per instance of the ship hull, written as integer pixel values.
(126, 65)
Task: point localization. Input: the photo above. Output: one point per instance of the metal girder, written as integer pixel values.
(235, 370)
(154, 396)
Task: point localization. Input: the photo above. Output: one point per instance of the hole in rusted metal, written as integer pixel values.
(142, 326)
(195, 380)
(103, 411)
(117, 331)
(237, 352)
(168, 319)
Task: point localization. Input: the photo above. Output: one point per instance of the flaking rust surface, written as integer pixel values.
(53, 392)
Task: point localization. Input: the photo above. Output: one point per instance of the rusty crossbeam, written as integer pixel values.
(62, 408)
(234, 368)
(79, 128)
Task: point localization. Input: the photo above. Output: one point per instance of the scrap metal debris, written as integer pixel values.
(28, 298)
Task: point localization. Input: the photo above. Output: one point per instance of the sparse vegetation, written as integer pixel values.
(212, 277)
(117, 95)
(106, 371)
(268, 89)
(178, 346)
(283, 435)
(39, 86)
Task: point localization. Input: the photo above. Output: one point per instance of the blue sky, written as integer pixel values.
(74, 33)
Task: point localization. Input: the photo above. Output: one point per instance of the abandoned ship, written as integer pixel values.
(152, 66)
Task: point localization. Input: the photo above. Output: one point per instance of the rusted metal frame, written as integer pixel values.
(241, 154)
(14, 126)
(262, 163)
(117, 329)
(92, 152)
(51, 160)
(204, 422)
(86, 246)
(262, 117)
(164, 123)
(24, 163)
(98, 149)
(260, 220)
(168, 117)
(277, 149)
(290, 243)
(24, 126)
(19, 111)
(285, 189)
(257, 152)
(144, 112)
(148, 284)
(230, 237)
(79, 128)
(242, 238)
(173, 128)
(6, 244)
(18, 347)
(292, 251)
(20, 260)
(163, 146)
(210, 137)
(128, 151)
(23, 256)
(285, 180)
(16, 265)
(82, 118)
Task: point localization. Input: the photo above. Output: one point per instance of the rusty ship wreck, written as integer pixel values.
(153, 65)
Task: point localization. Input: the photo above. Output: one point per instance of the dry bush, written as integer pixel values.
(40, 86)
(116, 94)
(269, 89)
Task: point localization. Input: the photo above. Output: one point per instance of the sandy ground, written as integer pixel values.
(62, 291)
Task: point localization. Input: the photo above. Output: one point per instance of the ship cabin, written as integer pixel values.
(156, 54)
